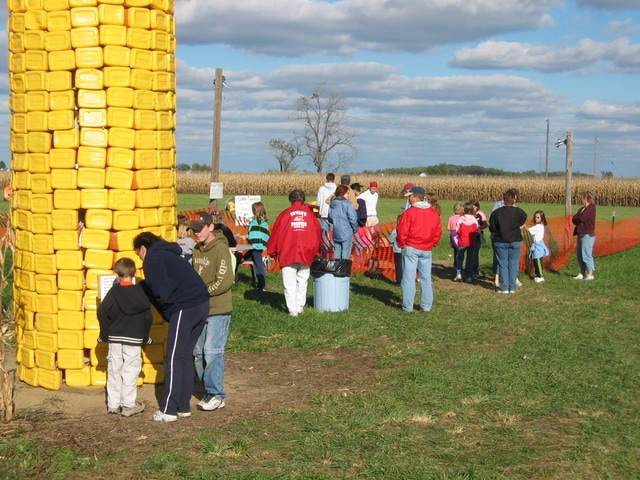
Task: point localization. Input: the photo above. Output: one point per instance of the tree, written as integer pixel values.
(606, 174)
(3, 166)
(324, 132)
(201, 167)
(183, 167)
(285, 152)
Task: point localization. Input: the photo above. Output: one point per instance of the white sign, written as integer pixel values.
(244, 214)
(215, 190)
(105, 282)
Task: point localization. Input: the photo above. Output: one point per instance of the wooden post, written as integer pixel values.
(569, 162)
(215, 147)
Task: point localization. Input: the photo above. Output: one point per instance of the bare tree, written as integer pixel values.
(325, 134)
(285, 152)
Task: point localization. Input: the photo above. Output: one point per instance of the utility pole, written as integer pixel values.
(569, 170)
(546, 168)
(595, 158)
(218, 84)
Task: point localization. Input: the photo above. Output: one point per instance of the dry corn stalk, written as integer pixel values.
(615, 192)
(6, 331)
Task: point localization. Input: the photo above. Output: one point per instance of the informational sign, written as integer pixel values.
(215, 190)
(244, 215)
(105, 282)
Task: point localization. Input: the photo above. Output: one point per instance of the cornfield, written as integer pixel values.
(609, 192)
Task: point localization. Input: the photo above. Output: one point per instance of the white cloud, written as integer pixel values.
(523, 56)
(610, 4)
(304, 27)
(409, 120)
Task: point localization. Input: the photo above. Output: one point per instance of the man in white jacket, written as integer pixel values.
(370, 198)
(324, 192)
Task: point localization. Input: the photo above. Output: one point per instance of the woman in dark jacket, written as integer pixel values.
(585, 222)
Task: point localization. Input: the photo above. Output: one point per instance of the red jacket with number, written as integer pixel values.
(295, 237)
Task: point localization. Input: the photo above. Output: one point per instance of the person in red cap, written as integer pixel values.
(370, 198)
(406, 189)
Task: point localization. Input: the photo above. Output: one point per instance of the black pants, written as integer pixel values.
(185, 327)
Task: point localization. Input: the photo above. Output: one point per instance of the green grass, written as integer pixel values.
(539, 385)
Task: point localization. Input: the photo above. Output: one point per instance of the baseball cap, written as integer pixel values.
(407, 187)
(415, 191)
(374, 184)
(199, 220)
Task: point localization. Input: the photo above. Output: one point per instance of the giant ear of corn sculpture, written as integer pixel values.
(93, 116)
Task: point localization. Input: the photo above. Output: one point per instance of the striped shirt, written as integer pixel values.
(258, 234)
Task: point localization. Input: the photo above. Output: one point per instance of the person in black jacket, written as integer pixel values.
(125, 321)
(180, 295)
(506, 224)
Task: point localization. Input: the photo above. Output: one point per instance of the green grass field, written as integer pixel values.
(538, 385)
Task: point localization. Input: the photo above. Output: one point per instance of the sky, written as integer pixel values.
(424, 82)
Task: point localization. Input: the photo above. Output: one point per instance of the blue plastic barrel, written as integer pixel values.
(331, 293)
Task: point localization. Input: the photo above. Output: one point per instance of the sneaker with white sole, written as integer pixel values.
(579, 277)
(159, 416)
(113, 411)
(518, 283)
(130, 411)
(458, 278)
(184, 414)
(209, 403)
(589, 277)
(538, 279)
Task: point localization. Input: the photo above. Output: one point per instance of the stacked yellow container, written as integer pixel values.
(93, 156)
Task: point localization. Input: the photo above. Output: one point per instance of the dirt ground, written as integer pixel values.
(257, 384)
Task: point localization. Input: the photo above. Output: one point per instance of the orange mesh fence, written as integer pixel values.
(611, 237)
(372, 252)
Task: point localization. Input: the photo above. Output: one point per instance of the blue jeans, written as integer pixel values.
(585, 253)
(508, 256)
(258, 266)
(469, 265)
(210, 354)
(414, 260)
(342, 249)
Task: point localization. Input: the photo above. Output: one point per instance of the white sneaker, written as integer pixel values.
(131, 411)
(458, 278)
(184, 414)
(589, 277)
(538, 279)
(210, 403)
(578, 277)
(159, 416)
(518, 283)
